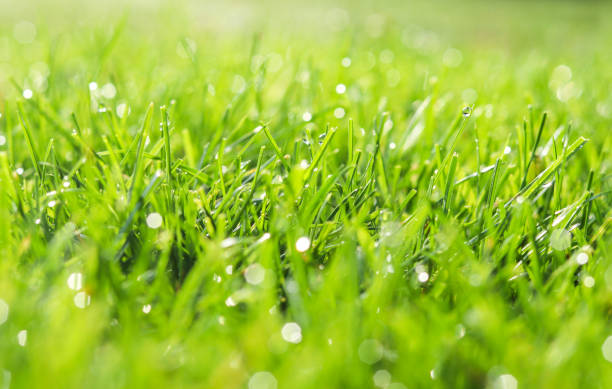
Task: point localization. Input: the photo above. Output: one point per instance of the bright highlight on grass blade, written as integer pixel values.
(302, 244)
(582, 258)
(75, 281)
(292, 332)
(82, 300)
(370, 351)
(505, 381)
(154, 220)
(254, 274)
(22, 337)
(423, 277)
(606, 349)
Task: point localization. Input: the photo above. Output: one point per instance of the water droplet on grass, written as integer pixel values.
(382, 378)
(505, 381)
(292, 333)
(27, 94)
(606, 349)
(339, 113)
(302, 244)
(346, 62)
(4, 311)
(82, 300)
(370, 351)
(22, 337)
(154, 220)
(340, 89)
(254, 274)
(146, 309)
(306, 116)
(467, 112)
(423, 277)
(560, 239)
(452, 58)
(75, 281)
(582, 258)
(108, 91)
(263, 380)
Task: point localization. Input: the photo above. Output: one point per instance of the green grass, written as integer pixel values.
(263, 195)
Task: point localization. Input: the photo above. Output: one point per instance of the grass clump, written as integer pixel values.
(344, 199)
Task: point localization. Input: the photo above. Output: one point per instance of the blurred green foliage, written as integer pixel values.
(273, 194)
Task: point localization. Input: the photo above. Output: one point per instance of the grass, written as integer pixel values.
(281, 195)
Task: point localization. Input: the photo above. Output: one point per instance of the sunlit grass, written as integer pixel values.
(389, 198)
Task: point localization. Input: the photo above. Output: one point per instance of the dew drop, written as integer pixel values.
(263, 380)
(302, 244)
(82, 299)
(582, 258)
(370, 351)
(154, 220)
(22, 337)
(292, 332)
(606, 348)
(467, 112)
(75, 281)
(254, 274)
(339, 113)
(382, 378)
(423, 277)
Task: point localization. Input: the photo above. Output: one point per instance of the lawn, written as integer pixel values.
(269, 195)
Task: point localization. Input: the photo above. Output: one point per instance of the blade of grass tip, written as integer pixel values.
(539, 180)
(533, 152)
(167, 155)
(319, 155)
(277, 150)
(139, 163)
(29, 140)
